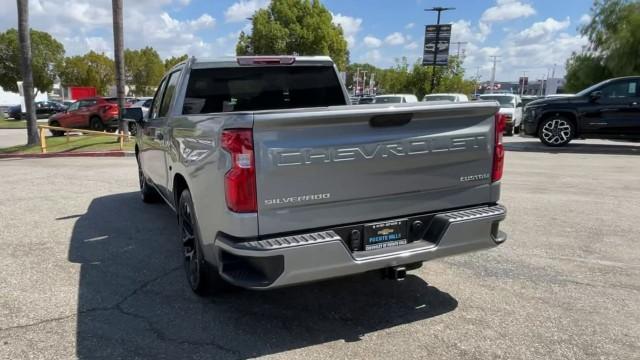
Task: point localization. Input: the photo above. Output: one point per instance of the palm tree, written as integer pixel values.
(118, 49)
(24, 36)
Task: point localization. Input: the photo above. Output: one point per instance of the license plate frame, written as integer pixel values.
(385, 234)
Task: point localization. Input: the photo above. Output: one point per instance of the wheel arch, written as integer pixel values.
(179, 184)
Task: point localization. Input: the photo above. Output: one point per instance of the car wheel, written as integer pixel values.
(556, 131)
(148, 193)
(202, 277)
(56, 132)
(509, 131)
(133, 128)
(96, 124)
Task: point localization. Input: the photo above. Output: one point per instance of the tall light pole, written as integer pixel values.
(493, 74)
(438, 9)
(524, 75)
(118, 49)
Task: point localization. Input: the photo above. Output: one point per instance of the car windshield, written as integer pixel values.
(439, 98)
(387, 99)
(503, 100)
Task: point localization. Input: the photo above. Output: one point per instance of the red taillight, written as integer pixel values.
(498, 151)
(240, 180)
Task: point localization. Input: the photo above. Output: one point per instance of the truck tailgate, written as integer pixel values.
(341, 165)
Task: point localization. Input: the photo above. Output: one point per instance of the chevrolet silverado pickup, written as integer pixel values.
(277, 180)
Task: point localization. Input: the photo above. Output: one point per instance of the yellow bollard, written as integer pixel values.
(121, 142)
(43, 141)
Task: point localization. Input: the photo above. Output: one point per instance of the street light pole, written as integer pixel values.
(438, 9)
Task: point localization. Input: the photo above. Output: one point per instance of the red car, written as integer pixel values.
(96, 113)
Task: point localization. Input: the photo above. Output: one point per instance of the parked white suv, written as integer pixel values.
(446, 97)
(511, 107)
(395, 98)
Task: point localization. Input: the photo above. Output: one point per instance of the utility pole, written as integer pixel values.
(475, 90)
(459, 43)
(355, 89)
(26, 70)
(438, 9)
(118, 49)
(371, 82)
(493, 73)
(364, 81)
(524, 75)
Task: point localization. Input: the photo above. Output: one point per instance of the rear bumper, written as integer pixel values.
(301, 258)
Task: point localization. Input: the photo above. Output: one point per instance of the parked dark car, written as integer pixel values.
(44, 109)
(607, 110)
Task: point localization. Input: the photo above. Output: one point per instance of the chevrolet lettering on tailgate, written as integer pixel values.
(290, 157)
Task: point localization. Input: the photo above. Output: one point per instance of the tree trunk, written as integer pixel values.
(118, 48)
(27, 72)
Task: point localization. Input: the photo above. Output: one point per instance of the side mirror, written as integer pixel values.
(595, 95)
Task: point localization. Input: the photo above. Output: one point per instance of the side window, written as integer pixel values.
(169, 92)
(620, 89)
(155, 104)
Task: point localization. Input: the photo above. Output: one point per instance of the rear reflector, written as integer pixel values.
(266, 60)
(240, 180)
(498, 151)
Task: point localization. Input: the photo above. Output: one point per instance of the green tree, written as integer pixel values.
(143, 69)
(302, 27)
(416, 78)
(173, 61)
(47, 56)
(91, 69)
(614, 44)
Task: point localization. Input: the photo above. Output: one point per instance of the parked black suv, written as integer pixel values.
(608, 110)
(44, 109)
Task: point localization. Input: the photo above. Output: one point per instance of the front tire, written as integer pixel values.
(202, 278)
(147, 192)
(556, 131)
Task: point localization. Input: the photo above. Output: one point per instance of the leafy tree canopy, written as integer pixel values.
(91, 69)
(47, 57)
(614, 44)
(302, 27)
(173, 61)
(143, 69)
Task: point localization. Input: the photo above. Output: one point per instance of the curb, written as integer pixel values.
(116, 153)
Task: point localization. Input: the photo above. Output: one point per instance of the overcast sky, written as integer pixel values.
(529, 35)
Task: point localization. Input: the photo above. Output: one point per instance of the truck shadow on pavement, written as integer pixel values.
(133, 299)
(575, 147)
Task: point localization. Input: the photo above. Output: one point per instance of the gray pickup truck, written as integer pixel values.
(277, 181)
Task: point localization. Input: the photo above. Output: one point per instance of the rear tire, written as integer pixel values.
(96, 124)
(56, 132)
(201, 276)
(147, 192)
(516, 130)
(556, 131)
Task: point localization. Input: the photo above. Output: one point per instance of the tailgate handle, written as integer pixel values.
(390, 120)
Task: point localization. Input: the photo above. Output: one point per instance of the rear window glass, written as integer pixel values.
(261, 88)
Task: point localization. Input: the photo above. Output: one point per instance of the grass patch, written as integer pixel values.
(12, 124)
(78, 143)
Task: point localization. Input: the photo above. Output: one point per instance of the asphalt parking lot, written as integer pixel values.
(89, 271)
